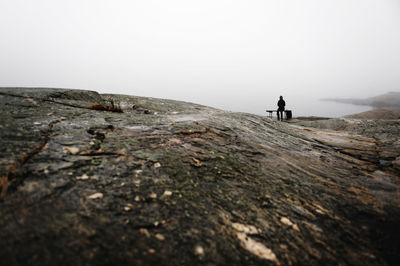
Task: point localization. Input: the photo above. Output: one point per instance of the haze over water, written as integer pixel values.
(311, 107)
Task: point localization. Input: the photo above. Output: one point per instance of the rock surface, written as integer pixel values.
(175, 183)
(379, 113)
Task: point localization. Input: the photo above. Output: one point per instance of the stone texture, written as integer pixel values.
(185, 184)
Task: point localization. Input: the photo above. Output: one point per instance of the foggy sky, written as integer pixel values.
(234, 55)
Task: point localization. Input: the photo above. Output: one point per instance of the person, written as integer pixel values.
(281, 108)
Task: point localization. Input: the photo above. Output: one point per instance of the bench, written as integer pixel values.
(288, 113)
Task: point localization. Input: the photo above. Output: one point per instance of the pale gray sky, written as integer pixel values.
(237, 55)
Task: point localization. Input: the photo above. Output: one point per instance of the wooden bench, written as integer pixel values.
(288, 113)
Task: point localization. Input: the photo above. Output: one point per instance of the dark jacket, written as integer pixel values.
(281, 105)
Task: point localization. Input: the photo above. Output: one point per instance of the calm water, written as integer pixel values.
(299, 107)
(327, 109)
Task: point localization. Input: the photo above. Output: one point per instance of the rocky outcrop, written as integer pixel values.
(388, 100)
(175, 183)
(379, 113)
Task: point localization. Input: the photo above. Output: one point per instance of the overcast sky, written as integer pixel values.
(237, 55)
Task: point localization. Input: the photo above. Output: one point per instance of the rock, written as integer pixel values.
(396, 163)
(246, 229)
(160, 237)
(198, 250)
(286, 221)
(97, 195)
(82, 177)
(167, 193)
(145, 232)
(381, 113)
(385, 163)
(72, 150)
(234, 188)
(196, 162)
(256, 248)
(303, 212)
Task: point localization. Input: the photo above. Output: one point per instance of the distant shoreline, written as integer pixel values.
(374, 114)
(388, 100)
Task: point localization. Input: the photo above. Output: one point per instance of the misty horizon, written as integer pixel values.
(233, 55)
(320, 107)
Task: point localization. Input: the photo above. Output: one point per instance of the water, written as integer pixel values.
(299, 107)
(327, 109)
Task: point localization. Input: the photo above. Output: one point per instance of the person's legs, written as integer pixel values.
(277, 113)
(280, 115)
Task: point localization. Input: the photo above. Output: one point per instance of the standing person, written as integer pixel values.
(281, 108)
